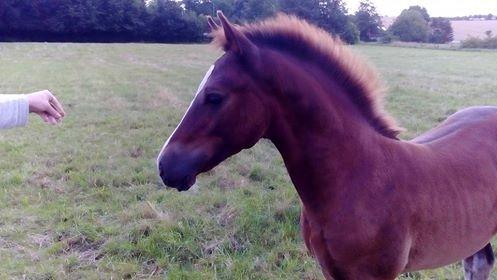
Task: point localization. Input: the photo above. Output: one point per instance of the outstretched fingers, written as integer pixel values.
(48, 118)
(52, 112)
(46, 105)
(54, 102)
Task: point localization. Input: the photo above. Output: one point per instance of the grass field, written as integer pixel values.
(83, 200)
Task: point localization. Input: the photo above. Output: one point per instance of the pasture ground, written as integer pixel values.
(83, 200)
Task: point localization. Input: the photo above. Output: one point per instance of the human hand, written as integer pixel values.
(44, 104)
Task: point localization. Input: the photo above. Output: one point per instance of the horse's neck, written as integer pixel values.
(322, 138)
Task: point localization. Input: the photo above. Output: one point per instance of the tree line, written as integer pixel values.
(480, 17)
(97, 20)
(174, 21)
(153, 20)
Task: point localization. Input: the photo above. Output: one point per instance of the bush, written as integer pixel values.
(490, 42)
(388, 37)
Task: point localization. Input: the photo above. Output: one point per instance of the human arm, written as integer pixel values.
(14, 109)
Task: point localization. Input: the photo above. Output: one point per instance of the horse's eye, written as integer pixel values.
(213, 98)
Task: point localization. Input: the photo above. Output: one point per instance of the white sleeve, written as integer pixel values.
(14, 110)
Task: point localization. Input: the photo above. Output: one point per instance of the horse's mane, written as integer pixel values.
(295, 36)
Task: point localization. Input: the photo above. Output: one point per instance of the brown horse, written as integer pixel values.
(374, 206)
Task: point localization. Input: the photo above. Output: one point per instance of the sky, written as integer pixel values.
(436, 8)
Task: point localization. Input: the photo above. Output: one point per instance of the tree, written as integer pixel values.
(73, 20)
(441, 31)
(169, 22)
(331, 15)
(126, 17)
(252, 10)
(367, 21)
(153, 20)
(200, 7)
(227, 6)
(306, 9)
(335, 20)
(24, 15)
(411, 26)
(422, 11)
(415, 25)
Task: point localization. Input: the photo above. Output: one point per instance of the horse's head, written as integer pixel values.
(228, 114)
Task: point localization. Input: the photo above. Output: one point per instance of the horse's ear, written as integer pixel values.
(236, 41)
(212, 24)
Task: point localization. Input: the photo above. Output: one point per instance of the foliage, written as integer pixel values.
(76, 20)
(335, 20)
(330, 15)
(238, 11)
(441, 31)
(415, 25)
(387, 37)
(95, 20)
(479, 17)
(490, 42)
(252, 10)
(155, 20)
(169, 20)
(306, 9)
(411, 26)
(368, 21)
(200, 7)
(422, 11)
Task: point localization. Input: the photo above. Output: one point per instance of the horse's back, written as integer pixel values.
(469, 122)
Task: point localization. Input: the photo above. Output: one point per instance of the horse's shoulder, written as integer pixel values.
(469, 118)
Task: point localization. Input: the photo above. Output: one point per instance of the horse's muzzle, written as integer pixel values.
(181, 184)
(177, 170)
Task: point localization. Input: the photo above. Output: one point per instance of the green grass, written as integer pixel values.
(83, 200)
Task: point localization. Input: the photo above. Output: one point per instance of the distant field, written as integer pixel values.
(465, 28)
(82, 201)
(462, 28)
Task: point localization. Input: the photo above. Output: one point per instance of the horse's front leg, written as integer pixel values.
(306, 230)
(332, 270)
(479, 265)
(307, 235)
